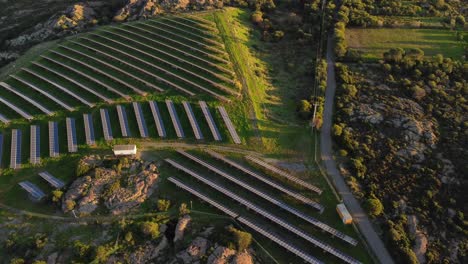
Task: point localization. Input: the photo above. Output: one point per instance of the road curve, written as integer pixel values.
(359, 216)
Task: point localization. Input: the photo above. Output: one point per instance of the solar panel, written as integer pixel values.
(175, 119)
(160, 59)
(123, 120)
(32, 189)
(299, 197)
(284, 174)
(193, 122)
(71, 135)
(106, 127)
(157, 77)
(229, 125)
(267, 233)
(53, 139)
(174, 33)
(4, 119)
(35, 145)
(15, 108)
(124, 72)
(209, 119)
(167, 39)
(26, 98)
(155, 66)
(157, 119)
(56, 183)
(89, 129)
(15, 154)
(277, 220)
(161, 47)
(75, 70)
(39, 90)
(1, 149)
(140, 120)
(249, 172)
(60, 87)
(167, 46)
(77, 83)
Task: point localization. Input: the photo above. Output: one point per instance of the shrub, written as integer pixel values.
(374, 207)
(303, 109)
(150, 229)
(70, 205)
(17, 261)
(163, 205)
(56, 195)
(183, 210)
(241, 238)
(343, 152)
(257, 17)
(82, 168)
(81, 250)
(337, 130)
(278, 35)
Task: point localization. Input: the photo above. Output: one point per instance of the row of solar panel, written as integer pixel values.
(267, 197)
(267, 233)
(119, 37)
(275, 219)
(72, 143)
(35, 192)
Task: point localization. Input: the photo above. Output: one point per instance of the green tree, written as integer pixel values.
(374, 207)
(337, 130)
(303, 109)
(150, 229)
(57, 195)
(17, 261)
(163, 205)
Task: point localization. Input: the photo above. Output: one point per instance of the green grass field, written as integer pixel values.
(374, 42)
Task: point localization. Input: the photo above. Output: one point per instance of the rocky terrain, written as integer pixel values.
(25, 23)
(119, 188)
(402, 140)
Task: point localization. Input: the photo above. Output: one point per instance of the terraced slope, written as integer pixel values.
(171, 55)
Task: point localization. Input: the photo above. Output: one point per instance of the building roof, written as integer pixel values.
(124, 147)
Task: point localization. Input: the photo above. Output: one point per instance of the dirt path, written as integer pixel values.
(359, 216)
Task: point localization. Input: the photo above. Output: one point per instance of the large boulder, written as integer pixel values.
(195, 251)
(180, 227)
(221, 255)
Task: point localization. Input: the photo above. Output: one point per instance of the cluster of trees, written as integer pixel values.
(380, 177)
(305, 109)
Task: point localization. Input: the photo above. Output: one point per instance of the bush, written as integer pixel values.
(303, 109)
(150, 229)
(81, 250)
(374, 207)
(278, 35)
(241, 238)
(343, 152)
(337, 130)
(70, 205)
(257, 17)
(183, 210)
(57, 195)
(82, 168)
(163, 205)
(17, 261)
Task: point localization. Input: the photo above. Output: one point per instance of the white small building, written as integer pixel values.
(344, 214)
(125, 150)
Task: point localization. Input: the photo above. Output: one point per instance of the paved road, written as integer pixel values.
(359, 216)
